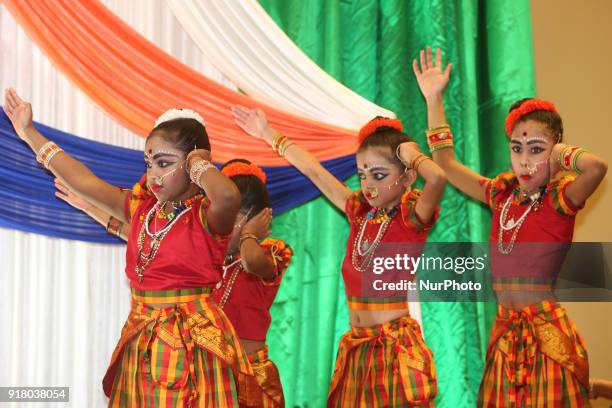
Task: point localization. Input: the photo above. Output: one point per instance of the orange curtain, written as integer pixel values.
(134, 81)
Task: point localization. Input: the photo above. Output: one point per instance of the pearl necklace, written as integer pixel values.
(512, 224)
(367, 254)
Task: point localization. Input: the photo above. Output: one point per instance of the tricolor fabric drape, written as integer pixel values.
(244, 43)
(134, 81)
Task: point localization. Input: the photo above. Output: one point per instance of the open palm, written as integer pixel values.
(431, 78)
(18, 111)
(71, 198)
(252, 121)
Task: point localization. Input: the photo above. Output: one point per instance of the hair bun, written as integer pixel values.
(377, 123)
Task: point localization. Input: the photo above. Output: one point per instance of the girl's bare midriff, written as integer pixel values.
(517, 300)
(365, 318)
(251, 346)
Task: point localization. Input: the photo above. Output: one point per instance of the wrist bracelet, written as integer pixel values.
(199, 168)
(114, 226)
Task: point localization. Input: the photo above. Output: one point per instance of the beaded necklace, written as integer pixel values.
(363, 252)
(230, 282)
(512, 224)
(145, 257)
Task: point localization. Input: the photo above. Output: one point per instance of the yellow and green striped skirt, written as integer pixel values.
(185, 355)
(264, 389)
(387, 365)
(535, 358)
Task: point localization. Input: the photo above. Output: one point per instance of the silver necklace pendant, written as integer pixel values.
(365, 245)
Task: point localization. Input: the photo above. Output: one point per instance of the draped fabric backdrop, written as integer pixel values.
(368, 46)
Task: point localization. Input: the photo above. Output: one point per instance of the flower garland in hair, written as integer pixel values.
(244, 169)
(527, 107)
(172, 114)
(375, 124)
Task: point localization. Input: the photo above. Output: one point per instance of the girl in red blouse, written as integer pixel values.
(535, 355)
(382, 360)
(252, 271)
(177, 347)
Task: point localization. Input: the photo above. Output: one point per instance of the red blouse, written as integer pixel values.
(246, 299)
(189, 256)
(548, 229)
(405, 227)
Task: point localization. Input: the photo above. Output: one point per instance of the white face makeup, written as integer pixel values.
(166, 175)
(530, 148)
(382, 181)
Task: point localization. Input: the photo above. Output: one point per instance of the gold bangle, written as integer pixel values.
(246, 236)
(437, 129)
(278, 139)
(441, 146)
(398, 155)
(285, 147)
(114, 226)
(419, 160)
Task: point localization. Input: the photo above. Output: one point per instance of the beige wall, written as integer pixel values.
(573, 60)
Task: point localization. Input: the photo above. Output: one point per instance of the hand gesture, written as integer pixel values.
(259, 225)
(431, 78)
(195, 155)
(252, 121)
(71, 198)
(407, 152)
(18, 111)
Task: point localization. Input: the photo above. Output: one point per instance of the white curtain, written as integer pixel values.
(64, 302)
(244, 43)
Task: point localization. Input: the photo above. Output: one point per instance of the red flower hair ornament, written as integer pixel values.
(244, 169)
(375, 124)
(527, 107)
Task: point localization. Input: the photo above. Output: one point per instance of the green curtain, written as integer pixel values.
(368, 45)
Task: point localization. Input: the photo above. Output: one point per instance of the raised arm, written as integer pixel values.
(590, 170)
(254, 258)
(255, 123)
(221, 191)
(74, 174)
(434, 176)
(432, 81)
(120, 229)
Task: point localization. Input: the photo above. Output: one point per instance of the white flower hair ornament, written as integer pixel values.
(172, 114)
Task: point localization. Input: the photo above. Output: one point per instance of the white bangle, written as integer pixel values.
(199, 168)
(47, 152)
